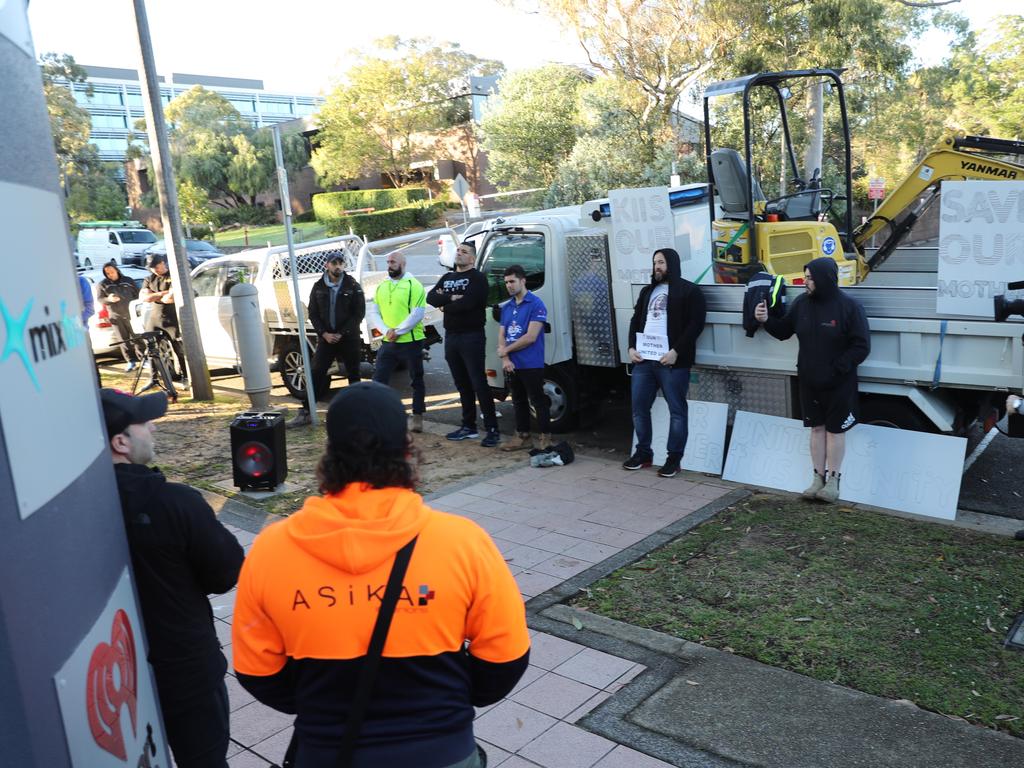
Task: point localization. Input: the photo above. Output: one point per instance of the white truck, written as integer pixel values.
(590, 294)
(269, 269)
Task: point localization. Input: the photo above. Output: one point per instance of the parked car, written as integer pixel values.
(198, 251)
(101, 332)
(123, 242)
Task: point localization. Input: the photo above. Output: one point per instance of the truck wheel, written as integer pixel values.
(894, 413)
(563, 397)
(289, 365)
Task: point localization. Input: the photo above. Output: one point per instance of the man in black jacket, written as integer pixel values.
(116, 292)
(834, 339)
(158, 290)
(462, 297)
(336, 308)
(180, 554)
(667, 319)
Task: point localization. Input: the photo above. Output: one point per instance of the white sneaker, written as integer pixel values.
(130, 366)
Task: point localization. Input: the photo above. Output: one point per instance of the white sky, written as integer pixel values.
(302, 45)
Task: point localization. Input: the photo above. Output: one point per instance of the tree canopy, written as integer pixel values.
(382, 115)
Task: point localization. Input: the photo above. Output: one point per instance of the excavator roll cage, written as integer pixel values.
(809, 191)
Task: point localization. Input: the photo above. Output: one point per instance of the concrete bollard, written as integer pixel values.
(251, 343)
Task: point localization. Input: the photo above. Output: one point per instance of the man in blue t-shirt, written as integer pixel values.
(521, 349)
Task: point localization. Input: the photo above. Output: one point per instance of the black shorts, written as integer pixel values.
(835, 408)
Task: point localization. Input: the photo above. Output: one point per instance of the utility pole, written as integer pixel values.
(170, 213)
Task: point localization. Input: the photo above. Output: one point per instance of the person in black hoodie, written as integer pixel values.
(180, 553)
(116, 292)
(462, 297)
(667, 319)
(834, 339)
(336, 308)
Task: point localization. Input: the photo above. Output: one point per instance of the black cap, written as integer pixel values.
(121, 410)
(371, 407)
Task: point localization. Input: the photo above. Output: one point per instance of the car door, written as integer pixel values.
(206, 289)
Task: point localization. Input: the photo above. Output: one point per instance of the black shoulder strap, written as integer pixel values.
(371, 663)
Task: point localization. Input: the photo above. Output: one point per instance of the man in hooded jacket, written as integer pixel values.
(180, 554)
(834, 337)
(116, 292)
(312, 586)
(670, 315)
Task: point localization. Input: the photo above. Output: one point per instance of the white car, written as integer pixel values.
(101, 332)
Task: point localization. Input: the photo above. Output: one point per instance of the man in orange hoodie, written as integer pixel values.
(312, 586)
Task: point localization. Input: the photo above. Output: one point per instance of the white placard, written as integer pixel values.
(705, 441)
(891, 468)
(106, 692)
(47, 378)
(981, 244)
(641, 223)
(14, 24)
(651, 347)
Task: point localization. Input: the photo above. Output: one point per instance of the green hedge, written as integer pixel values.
(379, 224)
(331, 205)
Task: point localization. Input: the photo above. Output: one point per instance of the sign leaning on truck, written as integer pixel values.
(981, 244)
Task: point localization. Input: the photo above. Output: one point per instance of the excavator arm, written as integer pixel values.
(955, 158)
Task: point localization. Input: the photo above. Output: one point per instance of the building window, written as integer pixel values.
(103, 122)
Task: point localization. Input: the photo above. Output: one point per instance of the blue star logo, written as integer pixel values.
(15, 342)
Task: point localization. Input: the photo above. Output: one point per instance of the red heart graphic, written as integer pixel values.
(103, 695)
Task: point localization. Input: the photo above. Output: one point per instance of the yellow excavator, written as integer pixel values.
(752, 234)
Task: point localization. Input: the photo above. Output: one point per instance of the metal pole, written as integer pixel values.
(170, 213)
(300, 311)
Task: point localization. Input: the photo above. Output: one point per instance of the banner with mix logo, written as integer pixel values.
(107, 697)
(47, 379)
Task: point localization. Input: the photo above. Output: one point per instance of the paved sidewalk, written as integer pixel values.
(551, 524)
(622, 694)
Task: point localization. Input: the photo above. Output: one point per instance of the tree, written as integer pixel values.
(194, 204)
(97, 194)
(69, 123)
(216, 150)
(382, 116)
(534, 127)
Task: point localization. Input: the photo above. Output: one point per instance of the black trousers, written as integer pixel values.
(198, 728)
(527, 386)
(411, 352)
(345, 352)
(464, 353)
(123, 329)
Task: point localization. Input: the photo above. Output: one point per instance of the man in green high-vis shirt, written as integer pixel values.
(397, 313)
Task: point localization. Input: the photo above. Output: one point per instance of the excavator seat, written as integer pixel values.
(731, 183)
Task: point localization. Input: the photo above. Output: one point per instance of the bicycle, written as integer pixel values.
(154, 348)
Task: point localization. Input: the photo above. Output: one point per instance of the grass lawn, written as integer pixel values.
(891, 607)
(274, 234)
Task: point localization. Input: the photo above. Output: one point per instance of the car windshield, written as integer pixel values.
(199, 245)
(137, 236)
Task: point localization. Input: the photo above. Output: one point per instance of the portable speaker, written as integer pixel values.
(259, 458)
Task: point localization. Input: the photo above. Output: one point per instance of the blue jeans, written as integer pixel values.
(648, 377)
(411, 352)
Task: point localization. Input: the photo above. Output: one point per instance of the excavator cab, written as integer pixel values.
(779, 234)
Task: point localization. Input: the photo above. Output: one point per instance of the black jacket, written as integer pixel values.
(123, 287)
(831, 327)
(161, 315)
(768, 288)
(349, 307)
(467, 313)
(685, 315)
(180, 553)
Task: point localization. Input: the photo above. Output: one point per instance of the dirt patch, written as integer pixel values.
(194, 446)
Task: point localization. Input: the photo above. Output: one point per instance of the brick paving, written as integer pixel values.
(551, 524)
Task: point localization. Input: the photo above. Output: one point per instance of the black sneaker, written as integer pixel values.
(463, 433)
(637, 461)
(671, 467)
(491, 439)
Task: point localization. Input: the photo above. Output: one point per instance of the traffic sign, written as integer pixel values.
(460, 186)
(876, 189)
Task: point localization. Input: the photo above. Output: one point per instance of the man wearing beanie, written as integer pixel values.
(180, 554)
(315, 585)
